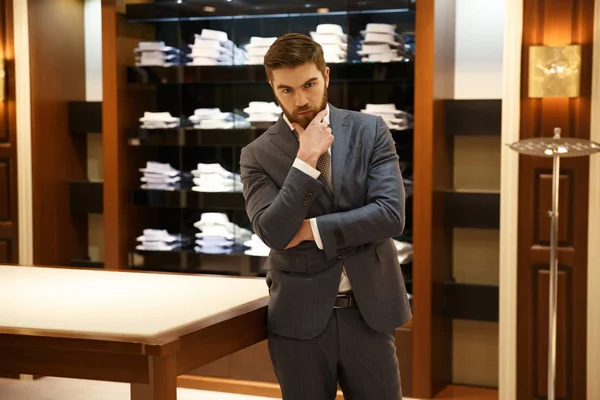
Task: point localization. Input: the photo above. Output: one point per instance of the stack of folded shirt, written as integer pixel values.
(218, 235)
(257, 49)
(262, 111)
(160, 176)
(334, 42)
(156, 54)
(215, 178)
(381, 44)
(159, 120)
(214, 48)
(213, 118)
(395, 119)
(159, 240)
(256, 247)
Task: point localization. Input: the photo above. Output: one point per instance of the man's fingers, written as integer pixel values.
(321, 115)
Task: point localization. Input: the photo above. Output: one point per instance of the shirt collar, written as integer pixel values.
(326, 119)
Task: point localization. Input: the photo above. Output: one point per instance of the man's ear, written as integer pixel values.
(326, 77)
(271, 83)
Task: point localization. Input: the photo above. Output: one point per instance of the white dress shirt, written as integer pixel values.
(313, 172)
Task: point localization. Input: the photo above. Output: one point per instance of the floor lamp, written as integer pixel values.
(554, 71)
(556, 148)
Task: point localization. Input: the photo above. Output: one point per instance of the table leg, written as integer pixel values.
(162, 371)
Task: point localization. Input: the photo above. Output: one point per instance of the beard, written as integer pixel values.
(305, 119)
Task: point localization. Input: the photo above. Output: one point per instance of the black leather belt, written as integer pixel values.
(344, 300)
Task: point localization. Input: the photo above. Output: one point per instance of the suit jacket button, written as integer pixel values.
(306, 202)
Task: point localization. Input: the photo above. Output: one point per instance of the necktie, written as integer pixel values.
(324, 166)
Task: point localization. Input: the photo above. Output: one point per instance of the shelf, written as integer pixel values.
(187, 199)
(85, 263)
(197, 10)
(394, 72)
(86, 197)
(187, 260)
(180, 137)
(472, 210)
(473, 117)
(471, 302)
(85, 117)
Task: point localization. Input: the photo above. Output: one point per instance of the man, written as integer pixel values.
(323, 190)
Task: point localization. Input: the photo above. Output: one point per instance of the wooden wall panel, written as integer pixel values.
(433, 173)
(57, 57)
(5, 252)
(9, 243)
(563, 344)
(122, 106)
(5, 192)
(553, 22)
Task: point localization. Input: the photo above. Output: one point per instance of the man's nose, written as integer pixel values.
(301, 99)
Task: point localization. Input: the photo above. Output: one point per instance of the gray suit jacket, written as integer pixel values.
(356, 224)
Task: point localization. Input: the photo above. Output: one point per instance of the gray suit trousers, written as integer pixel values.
(362, 360)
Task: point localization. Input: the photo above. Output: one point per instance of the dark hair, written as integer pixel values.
(292, 50)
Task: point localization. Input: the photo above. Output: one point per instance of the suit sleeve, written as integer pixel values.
(383, 215)
(276, 213)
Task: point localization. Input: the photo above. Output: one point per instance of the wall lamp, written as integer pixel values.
(554, 71)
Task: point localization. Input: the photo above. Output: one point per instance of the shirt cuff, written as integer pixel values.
(307, 169)
(315, 231)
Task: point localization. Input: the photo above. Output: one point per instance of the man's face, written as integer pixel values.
(301, 92)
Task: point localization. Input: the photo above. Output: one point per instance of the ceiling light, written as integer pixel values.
(209, 9)
(323, 10)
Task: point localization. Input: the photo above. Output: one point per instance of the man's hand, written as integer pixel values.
(304, 233)
(314, 140)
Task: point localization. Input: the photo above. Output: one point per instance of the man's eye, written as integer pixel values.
(308, 85)
(286, 91)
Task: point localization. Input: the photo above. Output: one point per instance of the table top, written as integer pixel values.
(119, 305)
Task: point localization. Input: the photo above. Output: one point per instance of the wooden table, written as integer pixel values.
(139, 328)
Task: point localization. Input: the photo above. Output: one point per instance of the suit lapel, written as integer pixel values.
(284, 138)
(341, 127)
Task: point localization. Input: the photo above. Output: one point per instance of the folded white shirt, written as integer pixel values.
(158, 235)
(214, 218)
(153, 167)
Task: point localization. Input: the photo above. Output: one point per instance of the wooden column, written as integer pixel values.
(122, 106)
(9, 212)
(552, 23)
(432, 239)
(57, 65)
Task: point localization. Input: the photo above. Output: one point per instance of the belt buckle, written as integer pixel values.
(346, 300)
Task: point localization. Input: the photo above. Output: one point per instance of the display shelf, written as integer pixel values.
(473, 117)
(190, 137)
(85, 263)
(185, 137)
(471, 302)
(187, 260)
(472, 209)
(85, 117)
(187, 199)
(86, 197)
(393, 72)
(170, 11)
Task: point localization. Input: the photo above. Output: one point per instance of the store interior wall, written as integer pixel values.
(478, 75)
(93, 92)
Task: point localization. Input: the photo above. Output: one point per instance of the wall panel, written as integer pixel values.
(553, 22)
